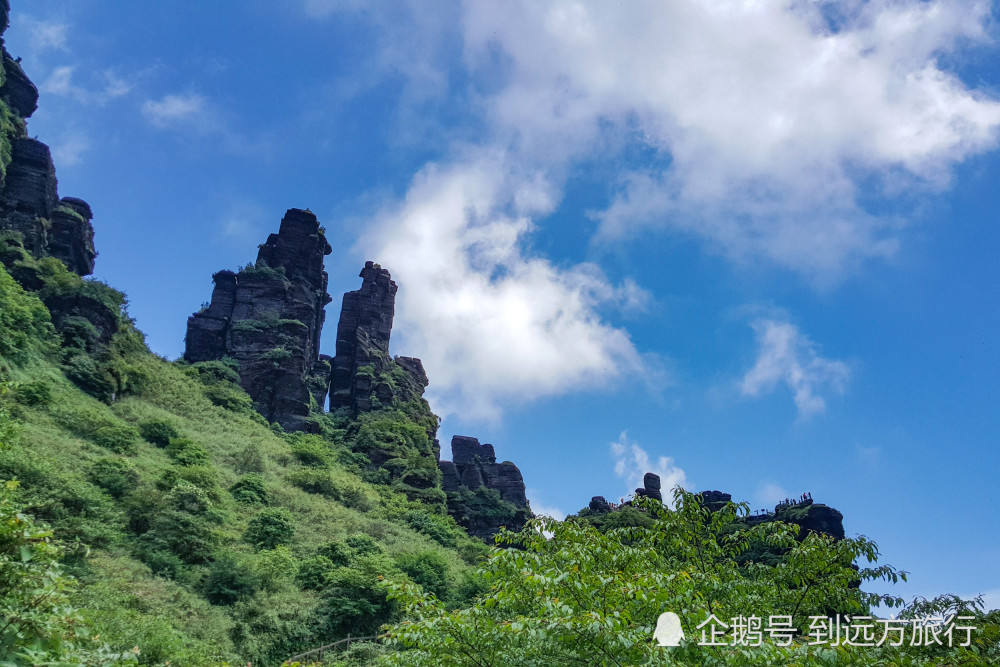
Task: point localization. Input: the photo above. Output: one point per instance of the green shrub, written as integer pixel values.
(276, 355)
(36, 392)
(186, 497)
(182, 527)
(79, 333)
(205, 477)
(275, 567)
(119, 438)
(187, 452)
(163, 562)
(116, 476)
(251, 490)
(269, 528)
(141, 507)
(211, 372)
(363, 545)
(108, 296)
(84, 372)
(423, 477)
(24, 321)
(313, 481)
(353, 602)
(311, 451)
(315, 573)
(336, 552)
(230, 397)
(158, 431)
(427, 568)
(229, 580)
(434, 526)
(250, 459)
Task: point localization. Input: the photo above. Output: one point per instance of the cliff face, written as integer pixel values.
(269, 318)
(30, 207)
(468, 480)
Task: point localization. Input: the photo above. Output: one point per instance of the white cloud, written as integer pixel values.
(45, 35)
(632, 462)
(787, 356)
(768, 494)
(69, 149)
(541, 509)
(174, 110)
(769, 118)
(768, 126)
(493, 324)
(109, 87)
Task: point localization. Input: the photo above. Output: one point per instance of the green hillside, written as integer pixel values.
(196, 531)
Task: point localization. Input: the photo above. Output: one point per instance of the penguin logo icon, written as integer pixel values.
(668, 629)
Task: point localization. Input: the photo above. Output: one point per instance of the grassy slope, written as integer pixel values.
(270, 613)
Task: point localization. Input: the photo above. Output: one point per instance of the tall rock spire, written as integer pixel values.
(363, 339)
(269, 317)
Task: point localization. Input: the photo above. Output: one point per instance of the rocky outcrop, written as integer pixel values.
(474, 470)
(599, 504)
(71, 237)
(269, 317)
(17, 90)
(363, 375)
(29, 201)
(715, 500)
(811, 517)
(650, 487)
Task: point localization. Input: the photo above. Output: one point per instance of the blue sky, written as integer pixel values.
(750, 246)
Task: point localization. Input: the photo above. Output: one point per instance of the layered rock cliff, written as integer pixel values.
(30, 207)
(268, 317)
(483, 495)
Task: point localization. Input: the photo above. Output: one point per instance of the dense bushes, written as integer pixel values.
(270, 528)
(158, 431)
(439, 528)
(428, 569)
(98, 424)
(116, 476)
(251, 490)
(230, 397)
(177, 528)
(229, 580)
(187, 452)
(36, 393)
(322, 482)
(25, 324)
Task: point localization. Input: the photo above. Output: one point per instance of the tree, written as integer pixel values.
(566, 594)
(37, 624)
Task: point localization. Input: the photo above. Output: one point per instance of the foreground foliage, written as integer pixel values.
(38, 623)
(567, 594)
